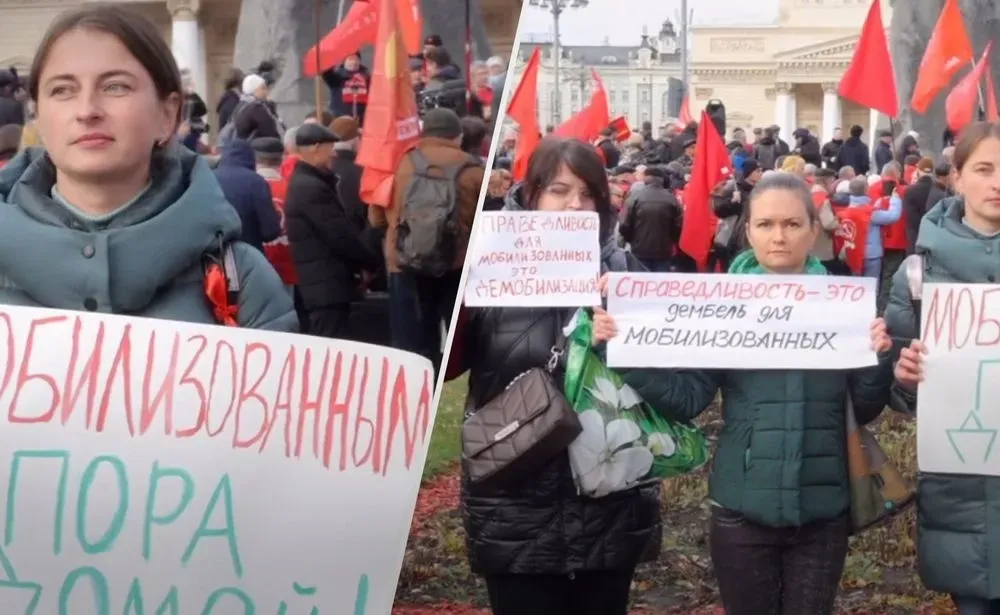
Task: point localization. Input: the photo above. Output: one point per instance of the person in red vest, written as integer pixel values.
(269, 153)
(893, 234)
(348, 84)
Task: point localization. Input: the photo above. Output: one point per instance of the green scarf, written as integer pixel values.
(746, 263)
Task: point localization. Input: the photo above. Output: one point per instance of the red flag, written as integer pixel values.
(991, 97)
(523, 109)
(391, 124)
(869, 79)
(851, 236)
(684, 115)
(963, 101)
(711, 167)
(592, 119)
(359, 28)
(621, 128)
(411, 24)
(948, 51)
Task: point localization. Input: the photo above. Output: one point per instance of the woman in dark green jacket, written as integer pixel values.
(958, 515)
(779, 484)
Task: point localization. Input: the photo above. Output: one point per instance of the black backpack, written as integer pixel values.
(427, 233)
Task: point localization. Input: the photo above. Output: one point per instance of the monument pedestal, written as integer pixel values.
(912, 24)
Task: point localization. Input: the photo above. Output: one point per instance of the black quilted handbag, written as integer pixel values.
(519, 430)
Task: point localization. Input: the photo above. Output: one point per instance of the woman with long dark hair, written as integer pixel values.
(542, 548)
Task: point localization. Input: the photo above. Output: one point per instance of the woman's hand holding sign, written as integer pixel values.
(910, 367)
(881, 342)
(603, 323)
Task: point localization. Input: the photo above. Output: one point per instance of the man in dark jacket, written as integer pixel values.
(248, 193)
(11, 109)
(327, 249)
(883, 150)
(915, 201)
(612, 155)
(831, 150)
(783, 149)
(348, 85)
(767, 150)
(652, 223)
(807, 146)
(854, 153)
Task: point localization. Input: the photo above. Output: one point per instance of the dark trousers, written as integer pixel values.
(837, 267)
(658, 265)
(583, 593)
(976, 606)
(777, 571)
(417, 307)
(330, 322)
(719, 258)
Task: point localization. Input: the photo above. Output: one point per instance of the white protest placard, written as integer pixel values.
(959, 399)
(534, 259)
(163, 468)
(741, 321)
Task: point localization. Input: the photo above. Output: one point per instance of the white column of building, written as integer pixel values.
(831, 110)
(186, 40)
(793, 116)
(202, 82)
(782, 107)
(873, 118)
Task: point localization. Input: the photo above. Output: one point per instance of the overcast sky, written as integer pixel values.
(621, 21)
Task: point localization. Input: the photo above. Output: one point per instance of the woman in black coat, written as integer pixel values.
(542, 548)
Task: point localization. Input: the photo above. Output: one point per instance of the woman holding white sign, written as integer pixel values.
(779, 487)
(114, 216)
(543, 548)
(959, 242)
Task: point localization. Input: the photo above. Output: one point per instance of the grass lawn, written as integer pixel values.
(446, 444)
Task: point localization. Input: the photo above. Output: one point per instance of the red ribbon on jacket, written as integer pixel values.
(217, 291)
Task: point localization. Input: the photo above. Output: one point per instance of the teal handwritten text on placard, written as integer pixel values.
(89, 585)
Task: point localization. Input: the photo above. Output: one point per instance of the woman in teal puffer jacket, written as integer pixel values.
(779, 487)
(958, 516)
(114, 217)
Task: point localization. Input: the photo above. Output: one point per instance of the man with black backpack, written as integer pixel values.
(427, 226)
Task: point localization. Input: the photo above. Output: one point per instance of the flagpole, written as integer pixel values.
(318, 79)
(468, 56)
(979, 88)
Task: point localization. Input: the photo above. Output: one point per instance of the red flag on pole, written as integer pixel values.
(963, 101)
(523, 109)
(711, 167)
(588, 123)
(391, 123)
(869, 79)
(359, 28)
(947, 52)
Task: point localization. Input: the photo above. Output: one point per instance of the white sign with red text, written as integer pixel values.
(534, 259)
(165, 467)
(957, 400)
(721, 321)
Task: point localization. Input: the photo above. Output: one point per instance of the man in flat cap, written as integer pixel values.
(346, 169)
(433, 291)
(330, 257)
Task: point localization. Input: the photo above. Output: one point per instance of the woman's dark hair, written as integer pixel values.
(10, 141)
(473, 135)
(234, 79)
(582, 161)
(135, 31)
(787, 182)
(972, 137)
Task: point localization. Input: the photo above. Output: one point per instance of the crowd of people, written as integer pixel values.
(286, 198)
(780, 504)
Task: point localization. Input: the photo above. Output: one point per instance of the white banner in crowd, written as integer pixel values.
(534, 259)
(741, 321)
(178, 469)
(959, 399)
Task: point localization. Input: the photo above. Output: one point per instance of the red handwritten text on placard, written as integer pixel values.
(959, 317)
(192, 386)
(536, 224)
(739, 291)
